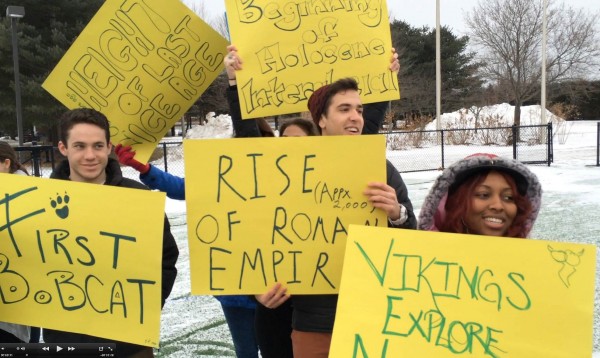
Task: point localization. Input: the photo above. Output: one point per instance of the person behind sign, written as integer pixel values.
(9, 164)
(337, 109)
(273, 323)
(483, 194)
(84, 139)
(297, 127)
(239, 310)
(373, 118)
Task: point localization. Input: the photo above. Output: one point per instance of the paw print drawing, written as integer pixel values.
(60, 205)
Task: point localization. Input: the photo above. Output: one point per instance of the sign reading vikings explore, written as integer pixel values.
(267, 210)
(289, 48)
(430, 294)
(82, 258)
(142, 64)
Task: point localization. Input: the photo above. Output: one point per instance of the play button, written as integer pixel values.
(59, 348)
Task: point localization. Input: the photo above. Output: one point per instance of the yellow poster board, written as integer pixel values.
(267, 210)
(431, 294)
(291, 48)
(142, 64)
(72, 258)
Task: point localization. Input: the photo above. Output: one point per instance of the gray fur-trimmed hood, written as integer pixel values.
(527, 184)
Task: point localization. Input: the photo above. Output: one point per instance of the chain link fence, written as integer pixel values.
(408, 151)
(436, 149)
(37, 159)
(598, 144)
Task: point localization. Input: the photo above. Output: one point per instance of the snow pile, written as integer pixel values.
(492, 116)
(215, 127)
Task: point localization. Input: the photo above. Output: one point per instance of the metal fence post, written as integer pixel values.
(35, 158)
(442, 146)
(550, 144)
(598, 145)
(164, 145)
(514, 141)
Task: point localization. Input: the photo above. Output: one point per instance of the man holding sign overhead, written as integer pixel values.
(337, 109)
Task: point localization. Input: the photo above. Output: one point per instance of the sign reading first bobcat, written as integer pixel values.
(71, 260)
(142, 64)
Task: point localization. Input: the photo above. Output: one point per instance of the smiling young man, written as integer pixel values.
(85, 142)
(337, 109)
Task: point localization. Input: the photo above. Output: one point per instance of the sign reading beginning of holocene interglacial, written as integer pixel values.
(290, 48)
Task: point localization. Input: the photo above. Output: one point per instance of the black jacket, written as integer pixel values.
(114, 177)
(316, 313)
(241, 128)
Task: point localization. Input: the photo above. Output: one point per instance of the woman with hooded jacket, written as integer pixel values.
(483, 194)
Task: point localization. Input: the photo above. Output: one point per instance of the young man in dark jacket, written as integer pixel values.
(337, 109)
(85, 142)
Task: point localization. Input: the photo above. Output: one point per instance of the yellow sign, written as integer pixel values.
(142, 64)
(266, 210)
(291, 48)
(72, 258)
(431, 294)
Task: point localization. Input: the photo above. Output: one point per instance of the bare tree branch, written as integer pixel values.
(509, 36)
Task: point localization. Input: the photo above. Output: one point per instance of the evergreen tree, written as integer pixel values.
(416, 47)
(44, 35)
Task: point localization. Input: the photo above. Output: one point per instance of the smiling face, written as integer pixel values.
(492, 208)
(87, 152)
(344, 115)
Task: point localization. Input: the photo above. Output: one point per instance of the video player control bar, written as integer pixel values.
(58, 350)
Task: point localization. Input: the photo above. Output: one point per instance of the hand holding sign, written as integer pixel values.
(383, 196)
(395, 66)
(126, 157)
(232, 62)
(274, 298)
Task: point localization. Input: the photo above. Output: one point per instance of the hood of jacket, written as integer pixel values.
(433, 209)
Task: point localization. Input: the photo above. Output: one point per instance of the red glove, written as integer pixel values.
(125, 155)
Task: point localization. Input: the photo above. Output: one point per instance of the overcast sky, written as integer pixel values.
(422, 12)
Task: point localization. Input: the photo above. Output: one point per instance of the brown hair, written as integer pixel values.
(264, 127)
(81, 115)
(458, 204)
(7, 152)
(307, 126)
(320, 100)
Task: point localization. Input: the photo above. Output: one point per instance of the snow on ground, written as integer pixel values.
(194, 325)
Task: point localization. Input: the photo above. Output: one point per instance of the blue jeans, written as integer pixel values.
(241, 326)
